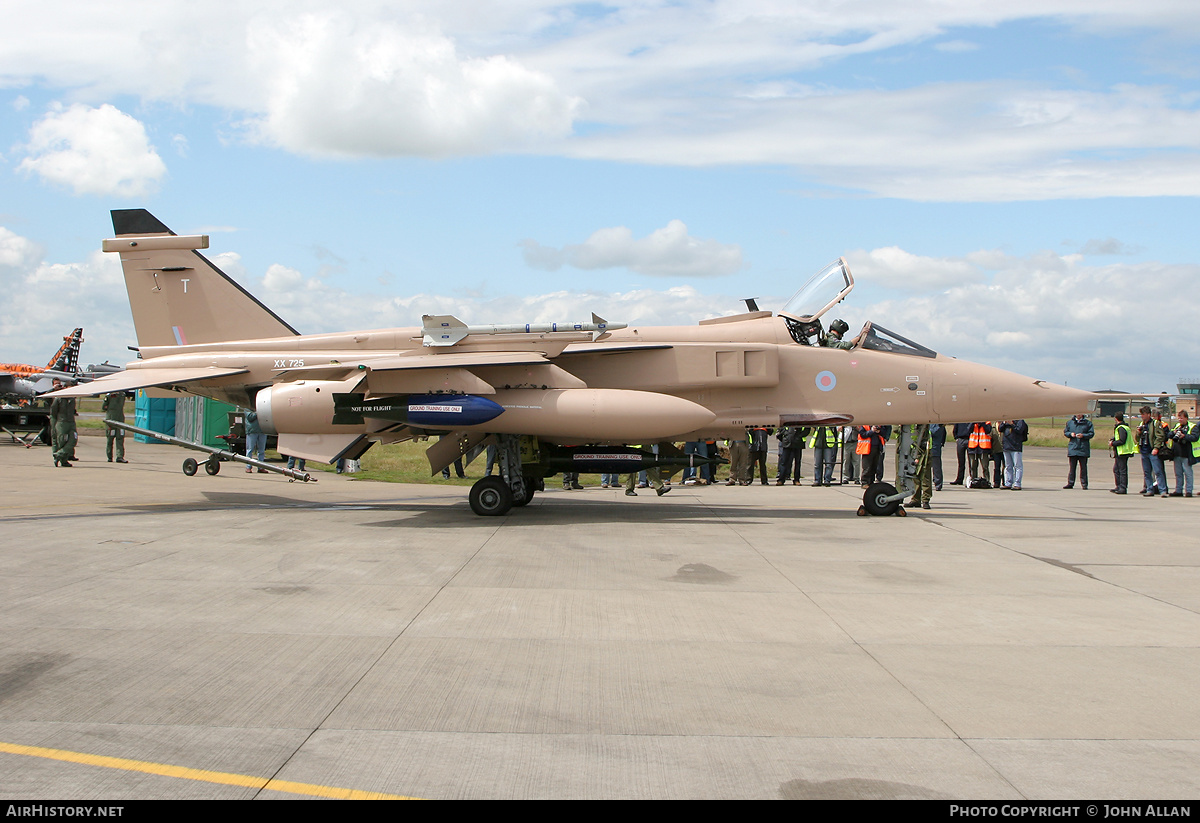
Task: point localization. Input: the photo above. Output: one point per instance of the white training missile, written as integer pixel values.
(446, 330)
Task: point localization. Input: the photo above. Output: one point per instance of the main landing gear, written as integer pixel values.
(494, 496)
(491, 496)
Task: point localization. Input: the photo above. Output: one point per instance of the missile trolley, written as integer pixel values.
(216, 456)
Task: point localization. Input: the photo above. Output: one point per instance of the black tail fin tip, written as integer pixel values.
(137, 221)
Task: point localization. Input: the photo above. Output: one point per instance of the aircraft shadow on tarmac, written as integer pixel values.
(419, 514)
(557, 513)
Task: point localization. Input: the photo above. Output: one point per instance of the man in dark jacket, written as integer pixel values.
(758, 451)
(1184, 436)
(791, 443)
(1151, 439)
(1079, 432)
(979, 451)
(937, 435)
(1015, 433)
(962, 435)
(872, 462)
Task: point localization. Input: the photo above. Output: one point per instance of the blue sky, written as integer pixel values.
(1012, 183)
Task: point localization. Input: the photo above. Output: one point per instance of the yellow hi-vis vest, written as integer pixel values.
(1128, 447)
(830, 438)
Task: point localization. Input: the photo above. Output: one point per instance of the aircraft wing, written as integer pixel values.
(143, 379)
(454, 373)
(453, 360)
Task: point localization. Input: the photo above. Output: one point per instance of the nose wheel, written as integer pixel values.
(881, 500)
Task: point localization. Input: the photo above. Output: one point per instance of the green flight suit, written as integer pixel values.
(62, 414)
(114, 409)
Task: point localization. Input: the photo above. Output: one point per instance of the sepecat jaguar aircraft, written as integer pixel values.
(551, 397)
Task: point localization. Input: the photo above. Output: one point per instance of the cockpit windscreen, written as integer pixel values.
(878, 338)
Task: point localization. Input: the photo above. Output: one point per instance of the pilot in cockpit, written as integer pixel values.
(837, 330)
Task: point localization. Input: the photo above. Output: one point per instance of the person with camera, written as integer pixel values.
(1184, 437)
(1151, 439)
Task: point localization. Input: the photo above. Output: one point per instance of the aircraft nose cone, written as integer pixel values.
(1047, 399)
(994, 394)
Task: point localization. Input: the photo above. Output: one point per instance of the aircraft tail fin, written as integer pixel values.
(66, 359)
(177, 296)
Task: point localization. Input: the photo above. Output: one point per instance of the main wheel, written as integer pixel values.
(529, 490)
(212, 465)
(875, 502)
(491, 497)
(190, 466)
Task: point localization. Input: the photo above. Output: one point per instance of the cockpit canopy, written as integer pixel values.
(822, 292)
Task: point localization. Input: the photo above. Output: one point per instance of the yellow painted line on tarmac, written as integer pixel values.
(202, 775)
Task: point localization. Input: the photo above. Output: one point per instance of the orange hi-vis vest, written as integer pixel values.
(979, 438)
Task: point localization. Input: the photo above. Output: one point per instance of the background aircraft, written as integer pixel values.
(538, 394)
(24, 382)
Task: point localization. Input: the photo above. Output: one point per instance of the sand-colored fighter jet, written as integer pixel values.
(552, 397)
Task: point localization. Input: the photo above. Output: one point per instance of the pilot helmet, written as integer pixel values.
(840, 326)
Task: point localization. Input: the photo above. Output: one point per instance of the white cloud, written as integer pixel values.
(1053, 317)
(336, 85)
(313, 304)
(1047, 315)
(668, 252)
(896, 268)
(93, 151)
(44, 301)
(973, 141)
(17, 252)
(718, 82)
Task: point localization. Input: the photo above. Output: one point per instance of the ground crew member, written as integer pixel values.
(923, 476)
(114, 409)
(653, 474)
(62, 414)
(739, 462)
(979, 449)
(1122, 442)
(823, 442)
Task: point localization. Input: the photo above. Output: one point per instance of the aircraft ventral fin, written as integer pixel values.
(816, 418)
